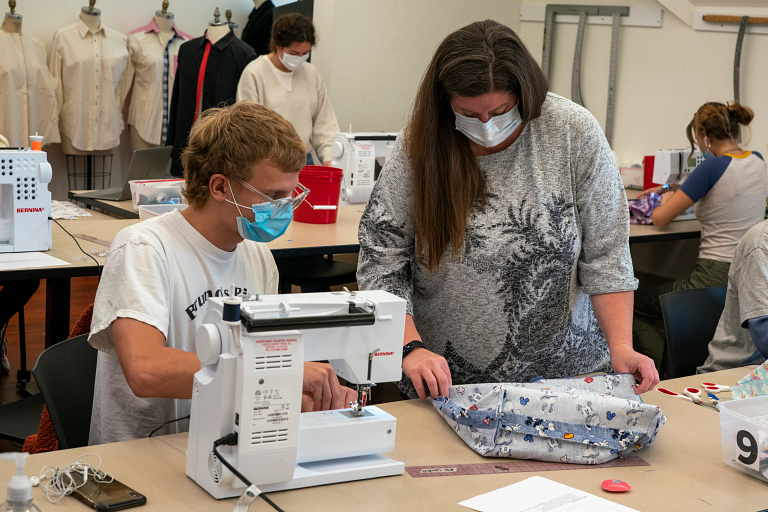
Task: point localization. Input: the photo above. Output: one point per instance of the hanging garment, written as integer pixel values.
(206, 77)
(27, 92)
(258, 31)
(580, 420)
(94, 75)
(154, 64)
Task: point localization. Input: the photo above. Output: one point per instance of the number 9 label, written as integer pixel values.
(748, 453)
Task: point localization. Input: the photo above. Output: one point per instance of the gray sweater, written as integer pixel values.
(514, 304)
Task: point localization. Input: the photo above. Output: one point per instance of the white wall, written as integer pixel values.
(43, 17)
(664, 75)
(372, 53)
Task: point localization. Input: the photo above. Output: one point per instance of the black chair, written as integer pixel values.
(21, 419)
(314, 273)
(690, 319)
(66, 373)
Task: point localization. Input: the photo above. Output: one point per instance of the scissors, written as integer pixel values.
(714, 388)
(695, 395)
(673, 394)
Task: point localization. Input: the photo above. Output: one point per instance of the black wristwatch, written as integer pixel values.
(409, 347)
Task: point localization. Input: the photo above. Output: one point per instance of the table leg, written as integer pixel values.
(56, 310)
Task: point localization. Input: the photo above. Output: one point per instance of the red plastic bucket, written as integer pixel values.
(324, 184)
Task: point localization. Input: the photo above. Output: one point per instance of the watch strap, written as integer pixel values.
(410, 346)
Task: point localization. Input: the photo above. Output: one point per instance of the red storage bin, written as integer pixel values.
(324, 184)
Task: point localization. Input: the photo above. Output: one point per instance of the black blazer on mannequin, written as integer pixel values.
(226, 61)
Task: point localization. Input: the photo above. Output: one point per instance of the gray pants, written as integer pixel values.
(646, 336)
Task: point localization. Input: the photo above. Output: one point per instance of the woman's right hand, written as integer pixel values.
(421, 366)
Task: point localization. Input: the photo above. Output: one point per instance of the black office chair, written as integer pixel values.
(21, 419)
(314, 273)
(66, 373)
(690, 319)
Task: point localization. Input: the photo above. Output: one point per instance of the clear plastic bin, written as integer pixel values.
(744, 435)
(156, 192)
(147, 211)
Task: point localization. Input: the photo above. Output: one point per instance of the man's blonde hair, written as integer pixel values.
(232, 140)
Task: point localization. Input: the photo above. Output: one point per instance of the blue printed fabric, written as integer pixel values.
(579, 420)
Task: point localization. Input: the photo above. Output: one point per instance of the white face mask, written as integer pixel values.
(492, 133)
(292, 62)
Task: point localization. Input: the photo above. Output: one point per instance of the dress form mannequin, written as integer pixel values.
(12, 21)
(257, 3)
(91, 16)
(164, 21)
(231, 24)
(216, 28)
(92, 19)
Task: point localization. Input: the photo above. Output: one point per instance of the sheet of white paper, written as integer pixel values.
(17, 260)
(538, 494)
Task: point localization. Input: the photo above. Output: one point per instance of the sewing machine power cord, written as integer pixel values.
(98, 267)
(231, 440)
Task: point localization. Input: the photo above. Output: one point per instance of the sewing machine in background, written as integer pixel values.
(361, 156)
(250, 383)
(25, 202)
(673, 166)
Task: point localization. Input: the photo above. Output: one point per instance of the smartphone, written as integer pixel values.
(112, 496)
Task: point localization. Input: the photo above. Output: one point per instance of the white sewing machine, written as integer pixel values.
(361, 156)
(25, 202)
(251, 384)
(673, 166)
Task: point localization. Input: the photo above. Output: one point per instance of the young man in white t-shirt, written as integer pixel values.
(159, 274)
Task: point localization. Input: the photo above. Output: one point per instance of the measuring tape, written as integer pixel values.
(517, 466)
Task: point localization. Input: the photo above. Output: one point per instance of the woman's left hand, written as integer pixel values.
(625, 360)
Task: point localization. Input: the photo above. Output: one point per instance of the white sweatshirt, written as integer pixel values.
(306, 106)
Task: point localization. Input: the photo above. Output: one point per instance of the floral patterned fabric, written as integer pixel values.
(580, 420)
(641, 210)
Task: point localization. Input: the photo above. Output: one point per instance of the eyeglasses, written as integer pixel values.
(282, 203)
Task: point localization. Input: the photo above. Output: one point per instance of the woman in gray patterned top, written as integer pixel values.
(502, 220)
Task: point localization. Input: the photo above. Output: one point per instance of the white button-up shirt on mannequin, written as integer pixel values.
(94, 73)
(27, 92)
(148, 55)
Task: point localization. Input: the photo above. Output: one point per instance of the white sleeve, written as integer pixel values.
(324, 123)
(134, 284)
(247, 88)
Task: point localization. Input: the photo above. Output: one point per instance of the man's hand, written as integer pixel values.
(423, 365)
(625, 360)
(322, 391)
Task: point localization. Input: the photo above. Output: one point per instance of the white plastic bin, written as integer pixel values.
(744, 435)
(147, 211)
(156, 192)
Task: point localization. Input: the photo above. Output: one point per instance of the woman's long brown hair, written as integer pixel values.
(483, 57)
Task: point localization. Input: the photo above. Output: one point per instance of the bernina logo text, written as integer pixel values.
(384, 354)
(29, 210)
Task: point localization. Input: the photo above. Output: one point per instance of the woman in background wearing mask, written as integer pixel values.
(729, 189)
(502, 220)
(284, 81)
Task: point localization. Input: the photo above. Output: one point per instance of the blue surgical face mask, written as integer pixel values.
(269, 222)
(492, 133)
(708, 154)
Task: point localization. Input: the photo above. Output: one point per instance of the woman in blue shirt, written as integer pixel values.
(729, 190)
